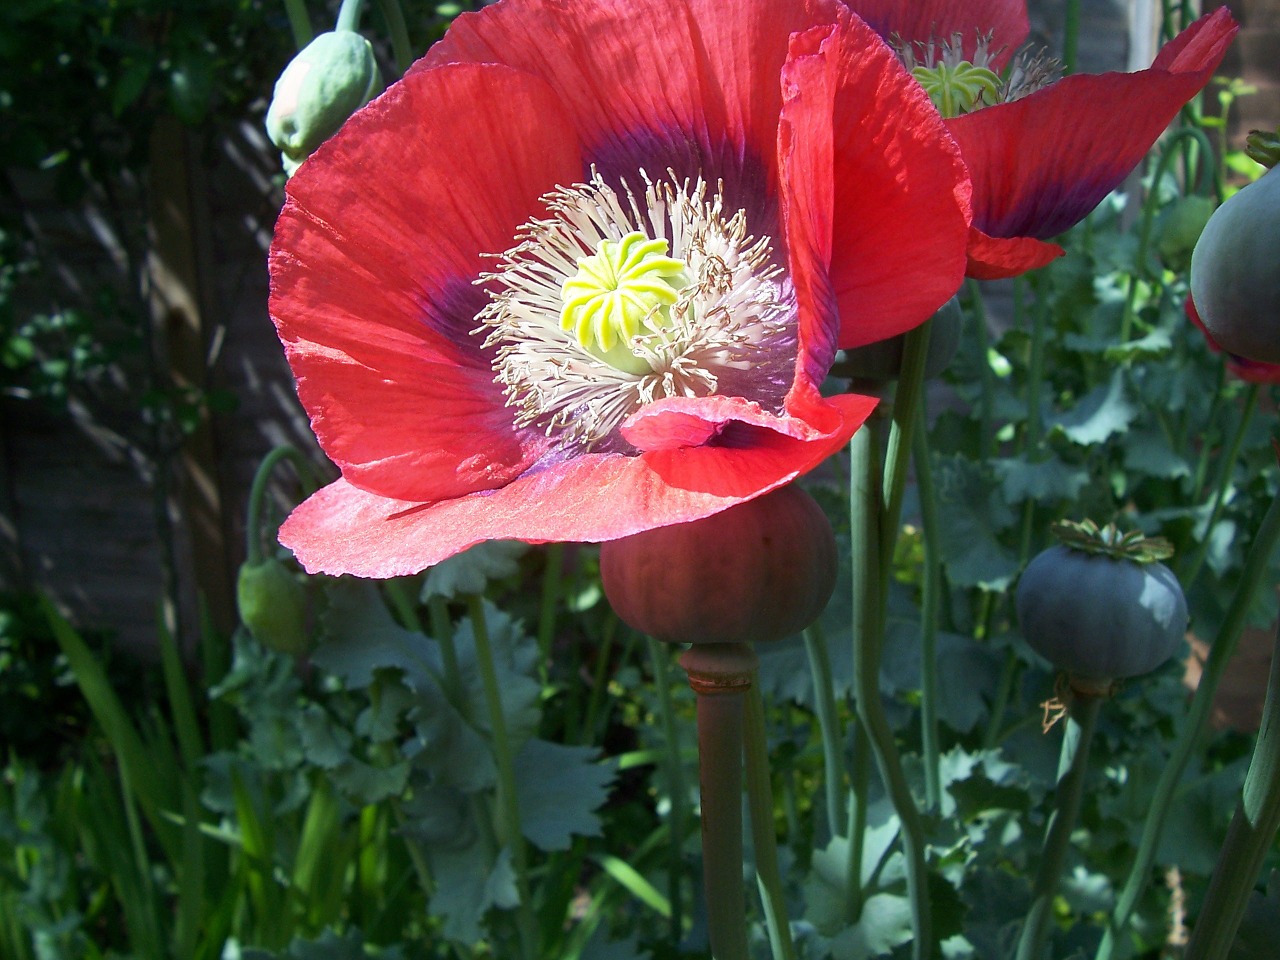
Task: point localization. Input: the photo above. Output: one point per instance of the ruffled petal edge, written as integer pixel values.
(345, 530)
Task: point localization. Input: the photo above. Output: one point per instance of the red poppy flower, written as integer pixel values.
(1042, 160)
(581, 272)
(1252, 371)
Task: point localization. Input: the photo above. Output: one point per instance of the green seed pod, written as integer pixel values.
(331, 78)
(1235, 272)
(273, 606)
(1100, 606)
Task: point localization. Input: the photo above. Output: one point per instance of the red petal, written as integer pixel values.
(995, 258)
(901, 196)
(345, 530)
(922, 20)
(1251, 371)
(1042, 163)
(688, 421)
(805, 136)
(372, 274)
(715, 83)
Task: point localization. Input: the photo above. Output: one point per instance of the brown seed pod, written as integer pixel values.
(761, 570)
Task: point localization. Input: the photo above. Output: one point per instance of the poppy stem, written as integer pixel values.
(930, 602)
(299, 22)
(442, 632)
(856, 830)
(763, 835)
(824, 697)
(349, 15)
(1249, 838)
(866, 525)
(552, 575)
(906, 398)
(508, 805)
(258, 494)
(1070, 36)
(720, 674)
(986, 446)
(401, 48)
(675, 788)
(1072, 766)
(1225, 475)
(1255, 570)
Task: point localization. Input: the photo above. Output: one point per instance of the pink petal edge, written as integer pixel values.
(344, 530)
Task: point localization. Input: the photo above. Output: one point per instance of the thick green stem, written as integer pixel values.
(552, 575)
(866, 524)
(605, 663)
(401, 48)
(1225, 476)
(859, 778)
(258, 494)
(986, 446)
(930, 602)
(442, 631)
(349, 15)
(1004, 690)
(906, 398)
(1249, 838)
(1035, 376)
(299, 22)
(675, 787)
(1071, 776)
(508, 805)
(1070, 36)
(720, 674)
(764, 837)
(824, 697)
(1224, 645)
(1206, 447)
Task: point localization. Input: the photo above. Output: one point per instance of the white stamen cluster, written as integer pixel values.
(738, 310)
(1029, 70)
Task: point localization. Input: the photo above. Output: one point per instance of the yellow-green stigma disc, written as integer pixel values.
(624, 291)
(959, 88)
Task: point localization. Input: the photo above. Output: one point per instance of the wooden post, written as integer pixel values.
(200, 550)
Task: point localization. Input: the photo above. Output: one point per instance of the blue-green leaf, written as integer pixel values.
(469, 572)
(559, 788)
(1102, 412)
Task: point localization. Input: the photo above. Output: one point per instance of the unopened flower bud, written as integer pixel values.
(1179, 227)
(331, 78)
(273, 606)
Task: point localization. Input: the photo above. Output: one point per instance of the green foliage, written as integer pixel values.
(337, 795)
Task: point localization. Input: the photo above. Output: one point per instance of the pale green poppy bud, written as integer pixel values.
(273, 606)
(1179, 227)
(331, 78)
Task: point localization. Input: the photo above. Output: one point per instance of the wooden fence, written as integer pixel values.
(94, 513)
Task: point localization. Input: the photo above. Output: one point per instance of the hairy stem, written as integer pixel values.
(508, 805)
(1072, 768)
(720, 674)
(868, 635)
(1224, 645)
(1249, 838)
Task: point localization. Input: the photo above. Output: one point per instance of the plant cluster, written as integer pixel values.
(983, 748)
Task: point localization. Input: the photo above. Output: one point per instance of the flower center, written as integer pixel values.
(958, 85)
(625, 291)
(619, 298)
